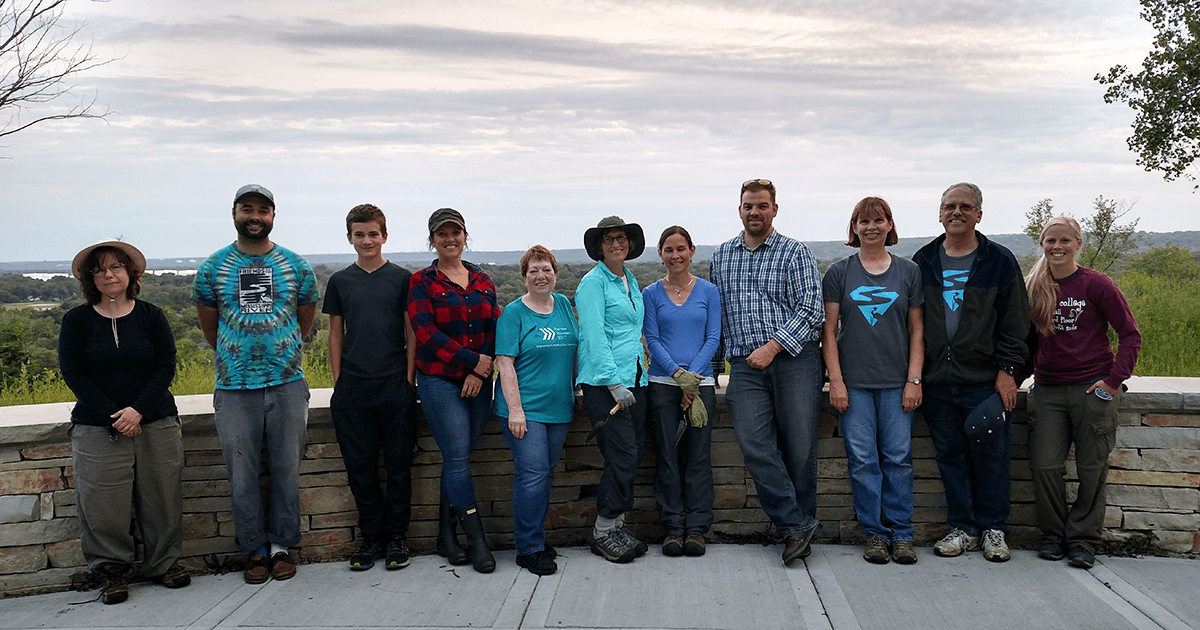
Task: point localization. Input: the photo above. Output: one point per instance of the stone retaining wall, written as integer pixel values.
(1153, 487)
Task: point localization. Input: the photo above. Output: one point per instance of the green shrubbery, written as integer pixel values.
(1161, 286)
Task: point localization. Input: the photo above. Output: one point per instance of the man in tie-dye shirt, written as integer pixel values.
(256, 300)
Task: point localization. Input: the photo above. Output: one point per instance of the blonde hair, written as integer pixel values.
(1043, 290)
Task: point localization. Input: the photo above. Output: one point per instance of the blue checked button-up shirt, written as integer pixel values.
(773, 291)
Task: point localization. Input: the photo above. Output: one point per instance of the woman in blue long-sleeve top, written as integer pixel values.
(612, 374)
(683, 328)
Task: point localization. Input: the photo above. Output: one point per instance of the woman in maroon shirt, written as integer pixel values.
(1077, 389)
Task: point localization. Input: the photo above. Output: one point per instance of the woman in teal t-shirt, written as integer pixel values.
(536, 339)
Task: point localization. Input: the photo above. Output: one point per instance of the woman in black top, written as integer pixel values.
(117, 354)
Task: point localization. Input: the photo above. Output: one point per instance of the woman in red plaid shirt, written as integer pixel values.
(452, 304)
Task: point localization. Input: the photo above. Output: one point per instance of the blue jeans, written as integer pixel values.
(247, 419)
(457, 424)
(534, 457)
(878, 436)
(775, 413)
(976, 475)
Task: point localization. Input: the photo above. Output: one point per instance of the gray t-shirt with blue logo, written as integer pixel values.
(955, 272)
(873, 323)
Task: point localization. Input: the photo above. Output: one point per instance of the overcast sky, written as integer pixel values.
(537, 118)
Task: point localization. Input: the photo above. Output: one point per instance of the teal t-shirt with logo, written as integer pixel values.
(543, 350)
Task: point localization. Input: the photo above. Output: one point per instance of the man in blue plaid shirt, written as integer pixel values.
(771, 318)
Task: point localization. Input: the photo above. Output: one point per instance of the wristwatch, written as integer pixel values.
(914, 381)
(1010, 369)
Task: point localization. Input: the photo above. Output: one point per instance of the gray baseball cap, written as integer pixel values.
(254, 189)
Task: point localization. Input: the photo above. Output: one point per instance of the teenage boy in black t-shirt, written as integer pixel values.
(371, 353)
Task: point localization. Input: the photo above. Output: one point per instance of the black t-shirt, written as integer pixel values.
(374, 307)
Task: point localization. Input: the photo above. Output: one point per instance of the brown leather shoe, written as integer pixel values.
(673, 546)
(282, 566)
(694, 545)
(256, 570)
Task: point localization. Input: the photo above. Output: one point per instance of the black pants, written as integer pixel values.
(622, 443)
(369, 414)
(683, 480)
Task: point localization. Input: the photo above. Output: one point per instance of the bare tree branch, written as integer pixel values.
(38, 60)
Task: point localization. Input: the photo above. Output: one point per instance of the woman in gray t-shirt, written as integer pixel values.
(873, 346)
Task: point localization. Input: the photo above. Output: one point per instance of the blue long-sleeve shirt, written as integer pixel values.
(610, 329)
(684, 335)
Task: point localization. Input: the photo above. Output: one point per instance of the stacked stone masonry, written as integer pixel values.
(1154, 486)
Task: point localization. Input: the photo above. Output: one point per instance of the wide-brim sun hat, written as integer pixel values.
(633, 231)
(135, 256)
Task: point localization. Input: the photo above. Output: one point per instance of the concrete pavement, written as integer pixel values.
(733, 586)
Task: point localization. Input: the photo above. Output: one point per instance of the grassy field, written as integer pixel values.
(194, 377)
(33, 306)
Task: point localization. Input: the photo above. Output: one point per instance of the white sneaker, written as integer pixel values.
(994, 547)
(958, 541)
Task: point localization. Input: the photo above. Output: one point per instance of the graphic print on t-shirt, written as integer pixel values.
(1069, 321)
(255, 294)
(953, 281)
(548, 334)
(878, 299)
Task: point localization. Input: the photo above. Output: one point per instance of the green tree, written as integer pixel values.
(1104, 240)
(1170, 262)
(1166, 92)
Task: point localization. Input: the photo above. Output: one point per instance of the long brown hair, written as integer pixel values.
(1043, 290)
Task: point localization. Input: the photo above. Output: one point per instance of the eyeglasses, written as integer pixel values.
(951, 207)
(115, 267)
(620, 238)
(760, 182)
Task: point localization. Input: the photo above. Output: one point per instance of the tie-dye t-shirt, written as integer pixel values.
(256, 297)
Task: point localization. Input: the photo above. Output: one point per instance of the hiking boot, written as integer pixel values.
(673, 546)
(397, 554)
(1078, 557)
(955, 543)
(877, 551)
(903, 552)
(994, 547)
(368, 552)
(796, 546)
(638, 545)
(256, 571)
(538, 563)
(1051, 551)
(694, 545)
(114, 586)
(614, 547)
(175, 577)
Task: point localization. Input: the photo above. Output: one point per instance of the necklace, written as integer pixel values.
(678, 292)
(113, 303)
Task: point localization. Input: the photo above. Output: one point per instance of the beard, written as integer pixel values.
(244, 231)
